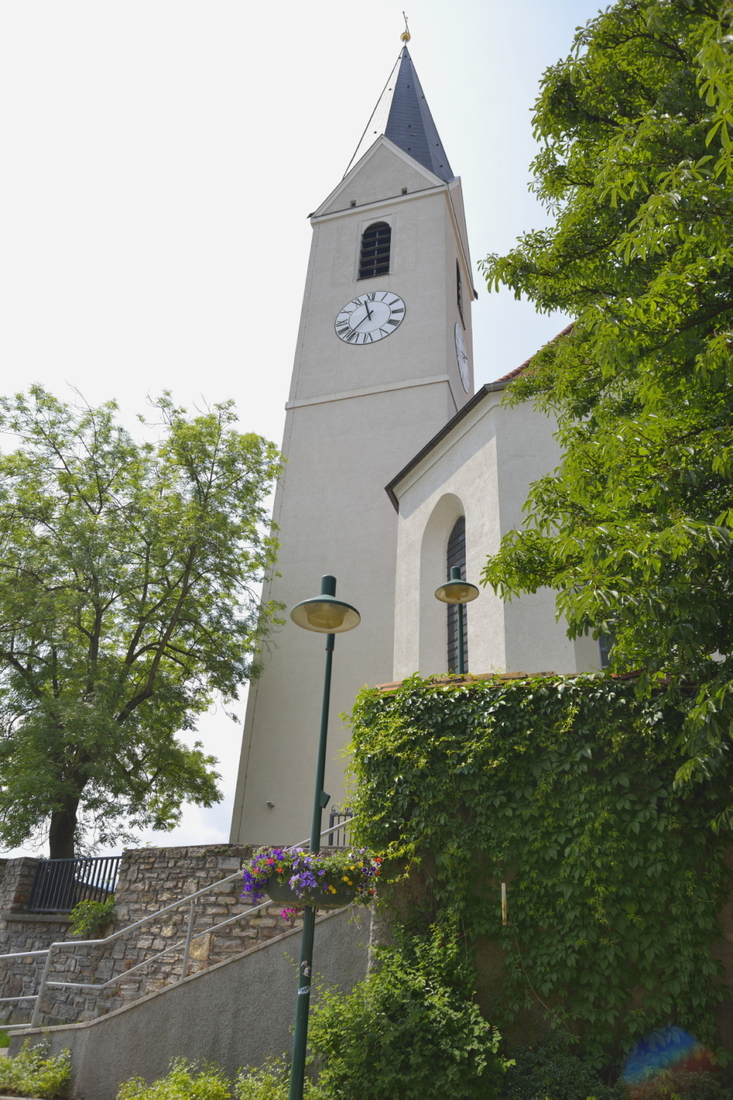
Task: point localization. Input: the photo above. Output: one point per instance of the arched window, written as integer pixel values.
(456, 555)
(605, 641)
(374, 257)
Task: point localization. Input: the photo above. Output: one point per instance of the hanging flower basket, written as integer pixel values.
(325, 880)
(322, 897)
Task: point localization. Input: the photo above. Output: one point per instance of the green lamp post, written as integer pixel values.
(323, 614)
(459, 592)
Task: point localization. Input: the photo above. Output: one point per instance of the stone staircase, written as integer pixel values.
(236, 1012)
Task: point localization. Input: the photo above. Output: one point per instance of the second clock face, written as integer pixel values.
(370, 317)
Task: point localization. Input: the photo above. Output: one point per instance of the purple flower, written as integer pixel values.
(308, 874)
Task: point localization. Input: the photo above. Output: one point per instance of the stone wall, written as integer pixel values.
(150, 879)
(16, 879)
(22, 931)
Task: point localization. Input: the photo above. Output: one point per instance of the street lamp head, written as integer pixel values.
(456, 590)
(325, 614)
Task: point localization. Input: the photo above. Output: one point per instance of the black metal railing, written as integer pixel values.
(339, 836)
(60, 884)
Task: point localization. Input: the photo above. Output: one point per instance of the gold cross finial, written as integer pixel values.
(405, 36)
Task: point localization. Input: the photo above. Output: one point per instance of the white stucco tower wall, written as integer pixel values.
(355, 415)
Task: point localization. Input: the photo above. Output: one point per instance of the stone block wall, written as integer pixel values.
(150, 879)
(22, 931)
(16, 879)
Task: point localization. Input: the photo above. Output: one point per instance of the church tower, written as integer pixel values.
(383, 360)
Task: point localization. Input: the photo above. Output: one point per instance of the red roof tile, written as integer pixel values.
(523, 366)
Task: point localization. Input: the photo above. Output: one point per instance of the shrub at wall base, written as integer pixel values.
(411, 1029)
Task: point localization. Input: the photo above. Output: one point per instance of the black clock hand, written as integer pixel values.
(369, 312)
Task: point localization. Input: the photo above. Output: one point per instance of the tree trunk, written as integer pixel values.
(63, 829)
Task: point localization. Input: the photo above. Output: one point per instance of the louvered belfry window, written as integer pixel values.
(459, 290)
(375, 243)
(456, 556)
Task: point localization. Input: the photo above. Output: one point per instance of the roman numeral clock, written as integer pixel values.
(370, 317)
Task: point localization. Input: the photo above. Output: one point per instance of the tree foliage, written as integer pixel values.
(126, 600)
(634, 529)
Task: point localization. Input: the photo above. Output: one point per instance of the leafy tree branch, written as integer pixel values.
(633, 530)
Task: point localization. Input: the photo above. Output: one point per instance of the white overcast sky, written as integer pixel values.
(160, 158)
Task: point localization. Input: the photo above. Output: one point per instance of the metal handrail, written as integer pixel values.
(45, 983)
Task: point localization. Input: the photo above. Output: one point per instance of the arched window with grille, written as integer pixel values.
(605, 642)
(456, 555)
(375, 247)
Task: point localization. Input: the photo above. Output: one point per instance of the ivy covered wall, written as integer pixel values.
(564, 789)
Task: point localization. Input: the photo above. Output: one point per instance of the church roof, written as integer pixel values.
(402, 115)
(523, 366)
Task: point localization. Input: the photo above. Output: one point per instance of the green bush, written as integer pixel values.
(550, 1071)
(410, 1030)
(32, 1072)
(184, 1081)
(87, 917)
(4, 1039)
(190, 1081)
(271, 1082)
(683, 1085)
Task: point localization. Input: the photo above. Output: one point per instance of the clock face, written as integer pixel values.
(462, 357)
(370, 317)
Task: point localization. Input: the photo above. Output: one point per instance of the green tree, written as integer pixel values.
(634, 528)
(126, 600)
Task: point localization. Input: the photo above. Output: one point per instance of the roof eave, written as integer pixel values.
(478, 397)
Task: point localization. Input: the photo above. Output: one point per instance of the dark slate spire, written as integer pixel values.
(402, 114)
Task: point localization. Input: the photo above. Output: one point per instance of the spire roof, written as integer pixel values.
(402, 115)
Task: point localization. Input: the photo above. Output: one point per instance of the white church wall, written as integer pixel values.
(428, 235)
(458, 254)
(340, 521)
(587, 654)
(482, 469)
(382, 172)
(456, 199)
(419, 273)
(535, 640)
(457, 477)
